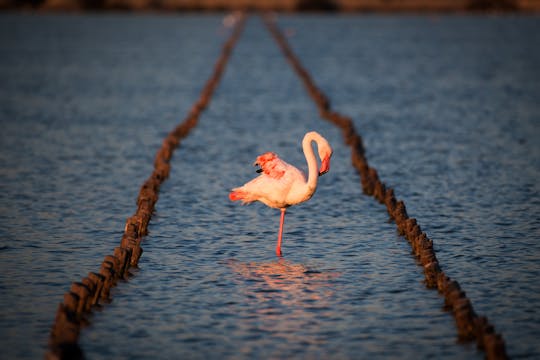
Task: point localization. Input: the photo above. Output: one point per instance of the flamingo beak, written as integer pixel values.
(325, 165)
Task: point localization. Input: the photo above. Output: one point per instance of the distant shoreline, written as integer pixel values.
(293, 6)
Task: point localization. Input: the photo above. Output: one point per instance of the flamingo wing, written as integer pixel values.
(273, 185)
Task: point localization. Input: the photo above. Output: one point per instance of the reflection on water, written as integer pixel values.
(286, 295)
(287, 283)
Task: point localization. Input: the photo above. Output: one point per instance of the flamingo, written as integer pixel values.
(280, 184)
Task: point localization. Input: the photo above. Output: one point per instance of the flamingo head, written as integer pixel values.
(325, 153)
(325, 165)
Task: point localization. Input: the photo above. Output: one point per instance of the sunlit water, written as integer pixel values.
(448, 108)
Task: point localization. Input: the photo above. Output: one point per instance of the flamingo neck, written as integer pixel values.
(313, 170)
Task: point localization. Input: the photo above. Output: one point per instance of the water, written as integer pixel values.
(448, 109)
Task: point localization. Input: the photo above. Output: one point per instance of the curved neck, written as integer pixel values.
(313, 170)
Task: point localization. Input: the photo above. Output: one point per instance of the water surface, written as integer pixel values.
(448, 109)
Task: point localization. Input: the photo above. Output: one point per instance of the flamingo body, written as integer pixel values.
(280, 184)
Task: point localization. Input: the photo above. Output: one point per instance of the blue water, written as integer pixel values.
(449, 110)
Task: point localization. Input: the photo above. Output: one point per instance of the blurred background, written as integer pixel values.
(279, 5)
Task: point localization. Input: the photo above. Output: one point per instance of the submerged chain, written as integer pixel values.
(470, 326)
(94, 289)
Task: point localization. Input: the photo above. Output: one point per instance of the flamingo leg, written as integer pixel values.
(280, 234)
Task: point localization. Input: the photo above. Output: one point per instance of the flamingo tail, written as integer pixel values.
(236, 195)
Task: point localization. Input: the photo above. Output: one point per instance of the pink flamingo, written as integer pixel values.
(281, 185)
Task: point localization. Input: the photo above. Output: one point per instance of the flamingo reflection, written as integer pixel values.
(292, 285)
(289, 304)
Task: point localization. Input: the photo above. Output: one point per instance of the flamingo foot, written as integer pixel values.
(278, 252)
